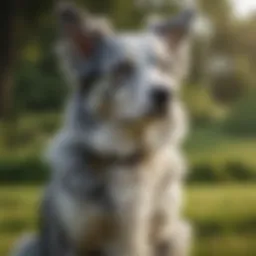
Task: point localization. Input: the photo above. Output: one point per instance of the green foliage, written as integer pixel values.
(215, 156)
(242, 120)
(21, 161)
(30, 133)
(20, 171)
(201, 107)
(227, 170)
(232, 40)
(39, 86)
(228, 87)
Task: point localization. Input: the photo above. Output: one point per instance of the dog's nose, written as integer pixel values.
(161, 97)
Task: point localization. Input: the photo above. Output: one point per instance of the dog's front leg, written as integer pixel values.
(52, 239)
(134, 224)
(133, 198)
(174, 235)
(178, 243)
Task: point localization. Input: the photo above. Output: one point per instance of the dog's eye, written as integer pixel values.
(123, 71)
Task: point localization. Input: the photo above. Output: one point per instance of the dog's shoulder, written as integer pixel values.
(60, 150)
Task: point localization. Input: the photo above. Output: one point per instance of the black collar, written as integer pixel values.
(98, 161)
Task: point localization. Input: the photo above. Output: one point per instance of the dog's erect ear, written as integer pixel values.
(80, 28)
(175, 30)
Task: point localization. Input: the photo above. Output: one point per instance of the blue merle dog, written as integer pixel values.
(117, 166)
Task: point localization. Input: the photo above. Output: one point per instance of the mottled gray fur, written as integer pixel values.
(117, 167)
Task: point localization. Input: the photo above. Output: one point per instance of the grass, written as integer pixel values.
(224, 219)
(223, 216)
(226, 245)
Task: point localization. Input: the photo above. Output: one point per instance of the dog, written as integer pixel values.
(118, 169)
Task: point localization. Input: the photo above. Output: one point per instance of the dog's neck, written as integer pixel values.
(100, 161)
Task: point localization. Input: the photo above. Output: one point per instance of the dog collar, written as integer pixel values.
(99, 161)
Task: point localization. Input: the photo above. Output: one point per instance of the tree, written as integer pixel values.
(7, 53)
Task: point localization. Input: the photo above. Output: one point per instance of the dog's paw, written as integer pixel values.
(178, 244)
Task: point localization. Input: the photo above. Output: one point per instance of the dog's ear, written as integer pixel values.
(175, 30)
(80, 28)
(176, 33)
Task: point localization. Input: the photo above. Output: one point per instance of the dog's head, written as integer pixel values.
(125, 78)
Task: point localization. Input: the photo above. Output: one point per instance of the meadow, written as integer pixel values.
(223, 216)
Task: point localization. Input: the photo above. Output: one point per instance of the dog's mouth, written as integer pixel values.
(158, 112)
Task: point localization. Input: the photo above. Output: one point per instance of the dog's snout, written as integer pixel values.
(160, 97)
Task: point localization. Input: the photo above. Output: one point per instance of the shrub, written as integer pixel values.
(242, 120)
(20, 171)
(240, 171)
(224, 171)
(201, 107)
(38, 90)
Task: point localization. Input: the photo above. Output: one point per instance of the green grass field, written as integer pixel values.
(224, 217)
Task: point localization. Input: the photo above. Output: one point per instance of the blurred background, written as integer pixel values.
(220, 95)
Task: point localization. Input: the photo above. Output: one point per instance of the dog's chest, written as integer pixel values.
(83, 204)
(87, 214)
(91, 211)
(85, 221)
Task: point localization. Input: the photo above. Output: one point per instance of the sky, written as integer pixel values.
(244, 7)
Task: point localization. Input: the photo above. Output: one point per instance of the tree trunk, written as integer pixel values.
(7, 51)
